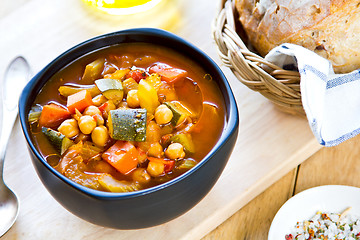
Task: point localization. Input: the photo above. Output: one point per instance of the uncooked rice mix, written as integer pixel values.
(327, 226)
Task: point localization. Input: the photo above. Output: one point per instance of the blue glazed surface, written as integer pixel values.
(148, 207)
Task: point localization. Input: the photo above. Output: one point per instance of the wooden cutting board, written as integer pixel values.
(270, 143)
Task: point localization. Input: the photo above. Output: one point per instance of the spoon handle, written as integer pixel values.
(16, 76)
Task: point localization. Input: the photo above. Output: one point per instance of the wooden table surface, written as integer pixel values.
(269, 148)
(329, 166)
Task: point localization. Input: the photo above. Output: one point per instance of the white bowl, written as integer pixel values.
(304, 205)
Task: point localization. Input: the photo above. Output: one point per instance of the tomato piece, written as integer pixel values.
(137, 75)
(170, 164)
(103, 107)
(168, 73)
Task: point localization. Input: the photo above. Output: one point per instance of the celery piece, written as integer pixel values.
(93, 70)
(186, 164)
(68, 90)
(113, 185)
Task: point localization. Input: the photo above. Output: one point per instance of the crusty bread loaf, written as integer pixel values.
(331, 28)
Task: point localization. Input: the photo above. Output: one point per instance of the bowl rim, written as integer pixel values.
(231, 121)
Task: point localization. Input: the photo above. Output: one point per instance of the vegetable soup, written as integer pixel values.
(127, 117)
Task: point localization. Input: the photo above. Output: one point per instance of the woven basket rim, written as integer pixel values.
(280, 86)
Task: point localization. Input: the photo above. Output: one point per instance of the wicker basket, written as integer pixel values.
(282, 87)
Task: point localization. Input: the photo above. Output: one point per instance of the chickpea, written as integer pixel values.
(100, 136)
(87, 124)
(132, 99)
(99, 99)
(163, 114)
(155, 150)
(174, 151)
(91, 110)
(155, 169)
(69, 128)
(141, 175)
(103, 167)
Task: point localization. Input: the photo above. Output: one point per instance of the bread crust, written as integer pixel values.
(331, 28)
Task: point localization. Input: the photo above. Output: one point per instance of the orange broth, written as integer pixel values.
(205, 129)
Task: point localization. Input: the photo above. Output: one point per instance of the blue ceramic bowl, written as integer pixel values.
(148, 207)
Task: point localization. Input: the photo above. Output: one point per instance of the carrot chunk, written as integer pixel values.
(79, 101)
(52, 115)
(123, 156)
(168, 73)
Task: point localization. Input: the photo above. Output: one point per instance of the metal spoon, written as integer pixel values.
(16, 76)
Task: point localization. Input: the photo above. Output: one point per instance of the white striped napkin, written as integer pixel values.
(331, 101)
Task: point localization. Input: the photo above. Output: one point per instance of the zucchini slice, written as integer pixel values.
(127, 124)
(185, 140)
(179, 112)
(112, 89)
(57, 139)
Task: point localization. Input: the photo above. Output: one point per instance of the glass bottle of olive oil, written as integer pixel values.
(122, 7)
